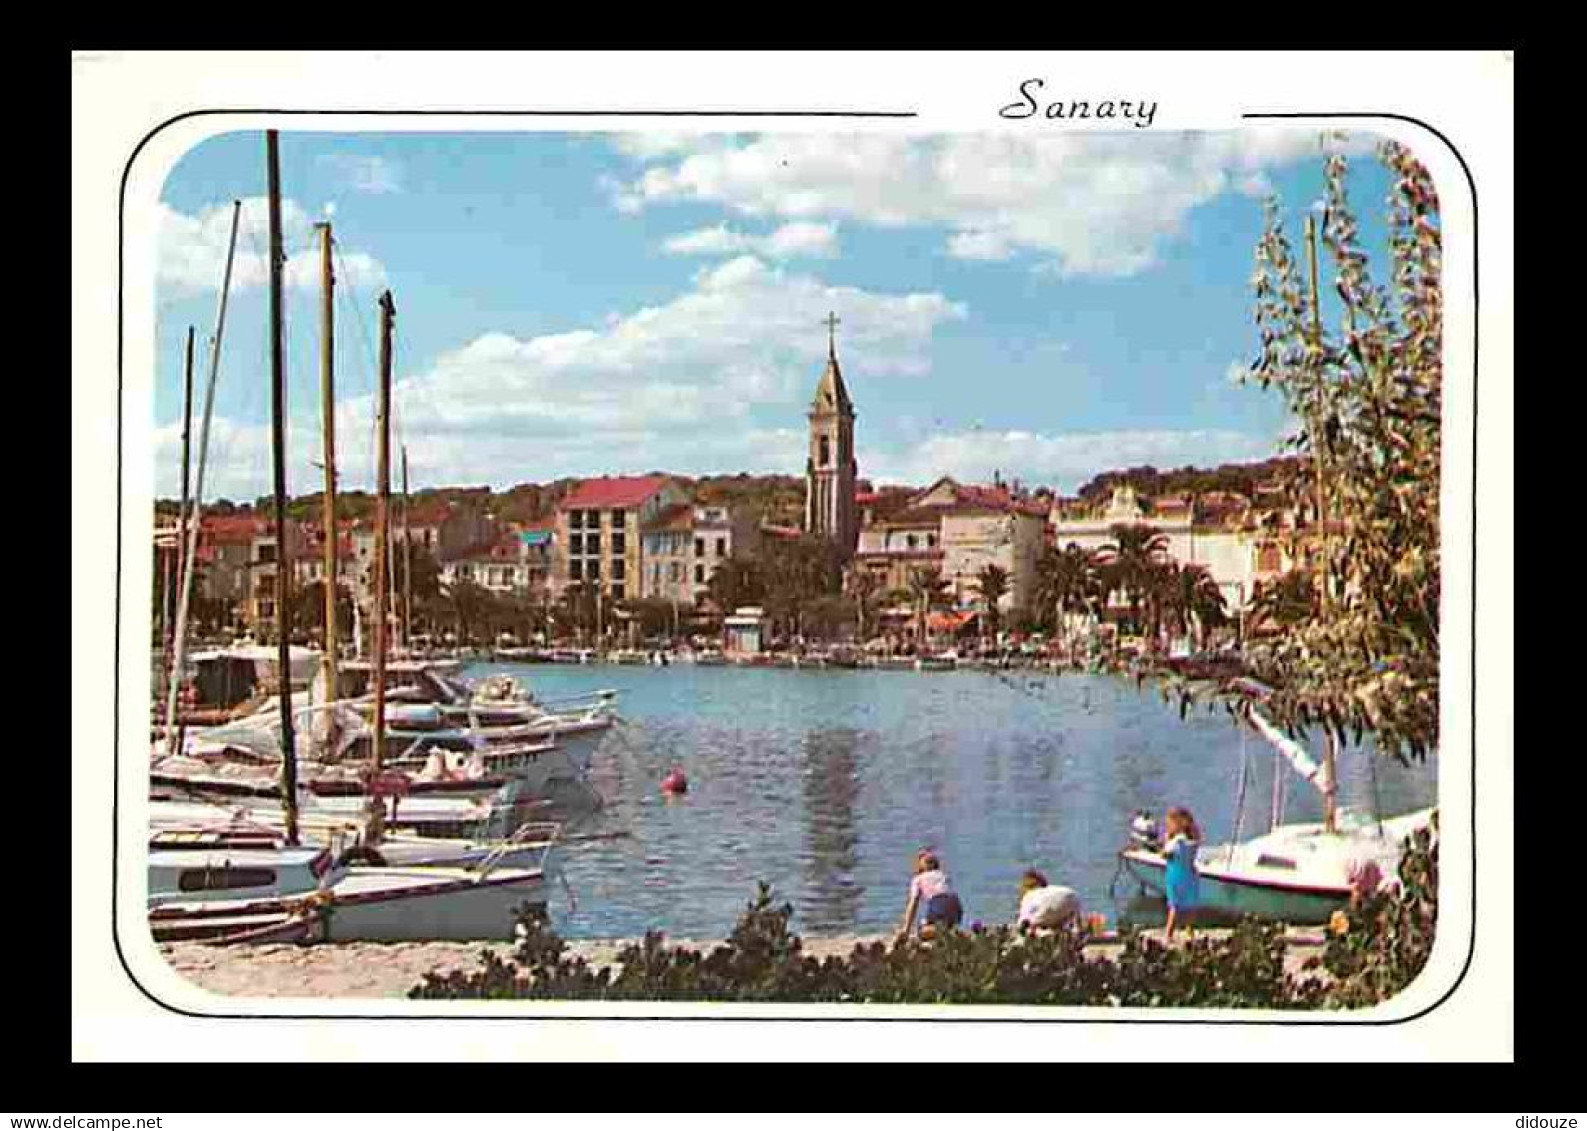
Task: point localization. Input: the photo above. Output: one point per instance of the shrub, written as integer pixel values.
(1373, 951)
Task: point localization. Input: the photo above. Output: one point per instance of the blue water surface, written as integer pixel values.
(825, 783)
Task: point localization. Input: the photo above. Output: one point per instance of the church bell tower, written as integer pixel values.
(830, 470)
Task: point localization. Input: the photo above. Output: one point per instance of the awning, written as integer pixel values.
(949, 622)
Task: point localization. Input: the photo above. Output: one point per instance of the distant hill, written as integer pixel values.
(774, 498)
(1240, 478)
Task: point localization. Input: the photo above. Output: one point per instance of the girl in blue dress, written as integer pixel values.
(1181, 884)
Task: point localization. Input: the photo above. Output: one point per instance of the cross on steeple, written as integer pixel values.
(832, 321)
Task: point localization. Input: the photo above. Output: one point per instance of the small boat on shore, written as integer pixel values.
(281, 893)
(1297, 874)
(1294, 873)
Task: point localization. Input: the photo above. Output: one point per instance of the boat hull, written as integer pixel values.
(1233, 897)
(463, 911)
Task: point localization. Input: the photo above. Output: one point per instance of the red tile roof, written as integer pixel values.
(612, 492)
(232, 529)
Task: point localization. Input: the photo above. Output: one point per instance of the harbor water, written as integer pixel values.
(825, 783)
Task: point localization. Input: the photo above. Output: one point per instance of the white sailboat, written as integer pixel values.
(1294, 873)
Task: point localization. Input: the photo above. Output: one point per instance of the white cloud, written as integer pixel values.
(192, 249)
(1083, 204)
(796, 240)
(670, 386)
(1062, 460)
(363, 172)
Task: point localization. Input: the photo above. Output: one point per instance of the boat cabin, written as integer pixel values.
(207, 872)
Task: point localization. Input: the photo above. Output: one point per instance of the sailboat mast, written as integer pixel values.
(382, 501)
(187, 445)
(407, 560)
(289, 758)
(1330, 753)
(328, 430)
(190, 531)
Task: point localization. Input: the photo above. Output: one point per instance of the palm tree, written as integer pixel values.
(1129, 561)
(1068, 581)
(866, 588)
(1189, 599)
(992, 583)
(927, 590)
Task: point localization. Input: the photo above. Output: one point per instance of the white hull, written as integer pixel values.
(382, 905)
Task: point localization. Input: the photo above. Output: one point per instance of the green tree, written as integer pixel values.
(865, 588)
(798, 572)
(1368, 392)
(927, 590)
(1129, 563)
(1190, 601)
(734, 583)
(992, 584)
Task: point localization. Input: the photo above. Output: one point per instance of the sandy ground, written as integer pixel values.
(390, 970)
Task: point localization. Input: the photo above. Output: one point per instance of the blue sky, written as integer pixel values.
(1046, 307)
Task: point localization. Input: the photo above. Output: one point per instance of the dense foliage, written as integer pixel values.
(1374, 951)
(1368, 394)
(1150, 483)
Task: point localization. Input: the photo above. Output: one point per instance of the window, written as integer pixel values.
(267, 610)
(617, 592)
(910, 541)
(619, 543)
(617, 520)
(619, 569)
(267, 552)
(576, 544)
(675, 572)
(592, 569)
(721, 547)
(826, 452)
(699, 575)
(699, 547)
(592, 544)
(225, 878)
(575, 570)
(931, 540)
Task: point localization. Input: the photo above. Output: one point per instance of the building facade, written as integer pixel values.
(958, 531)
(684, 544)
(598, 532)
(1240, 544)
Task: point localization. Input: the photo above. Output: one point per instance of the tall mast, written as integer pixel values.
(289, 755)
(407, 561)
(382, 500)
(187, 445)
(1330, 754)
(190, 531)
(328, 431)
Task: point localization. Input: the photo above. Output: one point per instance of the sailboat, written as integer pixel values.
(1293, 873)
(252, 884)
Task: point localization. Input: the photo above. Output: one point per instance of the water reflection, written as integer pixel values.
(826, 783)
(831, 795)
